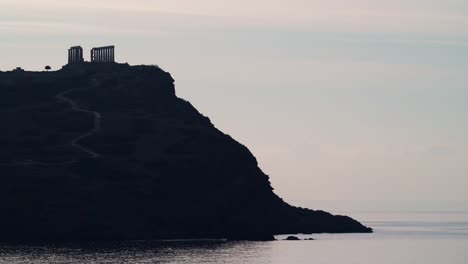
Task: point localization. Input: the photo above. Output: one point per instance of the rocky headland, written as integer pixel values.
(109, 152)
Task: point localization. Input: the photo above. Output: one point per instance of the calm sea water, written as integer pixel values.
(399, 238)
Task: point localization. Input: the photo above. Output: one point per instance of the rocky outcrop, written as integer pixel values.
(155, 168)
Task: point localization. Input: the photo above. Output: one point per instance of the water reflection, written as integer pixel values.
(138, 252)
(399, 238)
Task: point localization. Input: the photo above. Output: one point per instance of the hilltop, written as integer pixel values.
(108, 151)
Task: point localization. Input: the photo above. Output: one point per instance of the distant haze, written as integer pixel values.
(351, 104)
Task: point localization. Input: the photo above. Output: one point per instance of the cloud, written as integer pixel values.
(377, 16)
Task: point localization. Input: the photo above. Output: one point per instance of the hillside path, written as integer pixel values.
(97, 120)
(96, 123)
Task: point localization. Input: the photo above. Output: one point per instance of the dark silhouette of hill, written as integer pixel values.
(107, 151)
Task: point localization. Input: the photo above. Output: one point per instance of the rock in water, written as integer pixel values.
(108, 152)
(292, 238)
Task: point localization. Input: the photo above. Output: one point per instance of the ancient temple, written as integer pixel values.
(103, 54)
(75, 55)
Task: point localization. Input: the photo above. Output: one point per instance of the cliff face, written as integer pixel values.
(109, 152)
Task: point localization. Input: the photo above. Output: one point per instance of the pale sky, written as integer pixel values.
(346, 104)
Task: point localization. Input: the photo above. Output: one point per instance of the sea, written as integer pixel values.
(426, 237)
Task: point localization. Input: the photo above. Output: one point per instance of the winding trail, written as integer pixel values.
(96, 127)
(61, 97)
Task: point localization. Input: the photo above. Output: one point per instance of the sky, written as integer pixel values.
(352, 104)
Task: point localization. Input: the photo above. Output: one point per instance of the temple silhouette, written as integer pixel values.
(75, 55)
(98, 55)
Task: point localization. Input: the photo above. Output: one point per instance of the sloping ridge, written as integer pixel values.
(155, 168)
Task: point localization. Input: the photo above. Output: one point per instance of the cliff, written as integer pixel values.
(100, 152)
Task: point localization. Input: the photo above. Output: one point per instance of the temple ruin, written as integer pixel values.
(75, 55)
(103, 54)
(98, 55)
